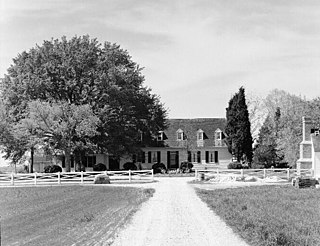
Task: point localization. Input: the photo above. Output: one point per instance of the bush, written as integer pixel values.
(235, 165)
(159, 168)
(101, 179)
(52, 169)
(186, 166)
(99, 167)
(129, 166)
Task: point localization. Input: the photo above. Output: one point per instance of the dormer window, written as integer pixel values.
(199, 135)
(218, 134)
(179, 135)
(160, 136)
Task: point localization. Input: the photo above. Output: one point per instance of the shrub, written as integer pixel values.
(99, 167)
(52, 169)
(101, 179)
(235, 165)
(129, 166)
(159, 168)
(186, 166)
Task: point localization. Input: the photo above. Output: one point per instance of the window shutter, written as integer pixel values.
(216, 158)
(143, 157)
(168, 159)
(159, 156)
(189, 156)
(199, 156)
(207, 157)
(177, 158)
(149, 156)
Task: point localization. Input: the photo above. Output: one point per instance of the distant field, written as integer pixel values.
(269, 215)
(66, 215)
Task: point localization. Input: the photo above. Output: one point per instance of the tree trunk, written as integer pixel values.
(67, 153)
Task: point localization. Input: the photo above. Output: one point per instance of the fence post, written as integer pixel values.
(196, 174)
(152, 175)
(35, 178)
(242, 173)
(264, 173)
(288, 174)
(59, 178)
(81, 177)
(12, 179)
(217, 171)
(129, 176)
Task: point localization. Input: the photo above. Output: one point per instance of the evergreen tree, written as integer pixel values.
(238, 132)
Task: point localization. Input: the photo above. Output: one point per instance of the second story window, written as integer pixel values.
(199, 134)
(160, 136)
(179, 135)
(218, 134)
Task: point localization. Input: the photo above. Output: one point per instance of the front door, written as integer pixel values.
(173, 159)
(114, 163)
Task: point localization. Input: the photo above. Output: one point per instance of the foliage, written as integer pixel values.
(101, 179)
(289, 125)
(268, 215)
(159, 168)
(238, 132)
(81, 72)
(129, 166)
(267, 152)
(235, 165)
(186, 166)
(52, 169)
(99, 167)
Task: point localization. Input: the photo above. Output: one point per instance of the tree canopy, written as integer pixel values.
(238, 132)
(82, 76)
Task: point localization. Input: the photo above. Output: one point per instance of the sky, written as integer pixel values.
(195, 53)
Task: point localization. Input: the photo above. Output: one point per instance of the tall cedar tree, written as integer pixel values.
(238, 132)
(81, 71)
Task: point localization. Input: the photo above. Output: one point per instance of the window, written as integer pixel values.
(154, 156)
(218, 134)
(194, 156)
(180, 135)
(212, 156)
(160, 136)
(199, 134)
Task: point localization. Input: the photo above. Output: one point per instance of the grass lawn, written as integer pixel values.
(66, 215)
(269, 215)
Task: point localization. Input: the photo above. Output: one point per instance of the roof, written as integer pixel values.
(190, 128)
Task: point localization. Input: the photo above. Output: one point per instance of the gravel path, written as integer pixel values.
(176, 216)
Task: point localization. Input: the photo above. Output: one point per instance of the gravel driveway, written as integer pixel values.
(176, 216)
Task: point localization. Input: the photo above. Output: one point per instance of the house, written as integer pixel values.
(310, 147)
(200, 141)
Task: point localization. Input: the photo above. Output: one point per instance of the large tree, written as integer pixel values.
(238, 132)
(81, 71)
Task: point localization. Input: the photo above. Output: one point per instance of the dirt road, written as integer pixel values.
(176, 216)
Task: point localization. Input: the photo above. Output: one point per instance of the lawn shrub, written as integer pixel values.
(158, 168)
(52, 169)
(101, 179)
(129, 166)
(99, 167)
(186, 166)
(235, 165)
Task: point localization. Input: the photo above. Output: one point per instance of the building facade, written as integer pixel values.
(200, 141)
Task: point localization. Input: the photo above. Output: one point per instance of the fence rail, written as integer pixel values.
(73, 177)
(287, 174)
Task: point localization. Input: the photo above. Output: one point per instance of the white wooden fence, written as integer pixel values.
(259, 173)
(73, 177)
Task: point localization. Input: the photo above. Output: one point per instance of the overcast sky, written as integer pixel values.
(195, 53)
